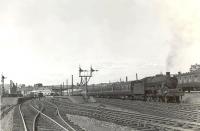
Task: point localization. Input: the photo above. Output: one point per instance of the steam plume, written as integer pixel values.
(182, 17)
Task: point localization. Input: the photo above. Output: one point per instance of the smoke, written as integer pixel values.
(177, 53)
(182, 18)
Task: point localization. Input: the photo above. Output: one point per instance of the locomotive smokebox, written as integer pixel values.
(168, 74)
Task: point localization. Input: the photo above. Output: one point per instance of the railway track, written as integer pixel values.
(186, 112)
(136, 120)
(60, 117)
(45, 122)
(5, 110)
(19, 123)
(29, 116)
(34, 116)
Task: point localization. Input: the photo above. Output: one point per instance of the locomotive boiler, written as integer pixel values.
(160, 87)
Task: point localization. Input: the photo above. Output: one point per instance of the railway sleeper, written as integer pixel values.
(114, 119)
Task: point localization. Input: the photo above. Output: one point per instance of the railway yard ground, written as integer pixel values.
(7, 111)
(191, 98)
(99, 114)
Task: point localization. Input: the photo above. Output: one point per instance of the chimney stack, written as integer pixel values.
(126, 78)
(136, 76)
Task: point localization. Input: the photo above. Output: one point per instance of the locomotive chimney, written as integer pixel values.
(168, 74)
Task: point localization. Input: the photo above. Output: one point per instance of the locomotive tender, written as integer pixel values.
(161, 88)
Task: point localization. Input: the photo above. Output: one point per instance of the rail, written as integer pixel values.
(50, 119)
(24, 124)
(35, 118)
(58, 112)
(156, 121)
(5, 111)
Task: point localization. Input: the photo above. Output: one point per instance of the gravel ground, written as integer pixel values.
(7, 121)
(192, 98)
(109, 107)
(8, 101)
(90, 124)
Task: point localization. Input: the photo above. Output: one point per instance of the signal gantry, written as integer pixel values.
(85, 76)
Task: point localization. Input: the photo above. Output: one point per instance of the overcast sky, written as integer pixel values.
(46, 40)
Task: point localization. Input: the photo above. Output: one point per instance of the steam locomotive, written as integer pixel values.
(162, 88)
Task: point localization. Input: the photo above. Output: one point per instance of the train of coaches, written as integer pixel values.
(163, 88)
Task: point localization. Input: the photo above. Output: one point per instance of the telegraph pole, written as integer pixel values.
(72, 84)
(63, 89)
(67, 86)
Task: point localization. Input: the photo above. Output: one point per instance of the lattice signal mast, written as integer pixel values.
(2, 81)
(85, 76)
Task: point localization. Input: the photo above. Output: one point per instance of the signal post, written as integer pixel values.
(85, 76)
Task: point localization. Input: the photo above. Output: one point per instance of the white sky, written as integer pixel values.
(46, 40)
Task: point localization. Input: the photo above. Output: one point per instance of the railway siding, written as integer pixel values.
(185, 112)
(61, 118)
(55, 122)
(135, 119)
(18, 124)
